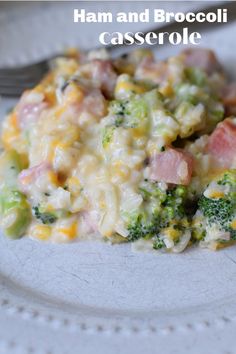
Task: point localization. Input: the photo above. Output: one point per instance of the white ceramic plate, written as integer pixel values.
(95, 298)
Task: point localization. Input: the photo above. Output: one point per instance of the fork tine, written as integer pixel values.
(7, 81)
(13, 81)
(27, 70)
(23, 85)
(11, 89)
(18, 82)
(20, 76)
(23, 71)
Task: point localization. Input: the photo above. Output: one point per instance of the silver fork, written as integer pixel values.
(13, 81)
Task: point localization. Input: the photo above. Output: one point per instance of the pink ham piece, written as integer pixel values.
(222, 144)
(102, 74)
(229, 98)
(102, 71)
(157, 72)
(172, 166)
(91, 220)
(30, 175)
(204, 59)
(93, 102)
(29, 108)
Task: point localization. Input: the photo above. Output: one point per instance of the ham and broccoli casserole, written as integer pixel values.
(126, 150)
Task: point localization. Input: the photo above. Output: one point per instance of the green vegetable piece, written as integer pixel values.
(196, 76)
(198, 233)
(158, 244)
(134, 113)
(44, 217)
(15, 213)
(159, 210)
(228, 179)
(221, 211)
(10, 167)
(118, 109)
(141, 227)
(14, 208)
(107, 136)
(217, 210)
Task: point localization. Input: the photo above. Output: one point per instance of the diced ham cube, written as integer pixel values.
(229, 98)
(85, 100)
(172, 166)
(94, 103)
(222, 144)
(102, 74)
(157, 72)
(204, 59)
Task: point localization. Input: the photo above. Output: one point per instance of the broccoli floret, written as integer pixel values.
(151, 190)
(197, 90)
(107, 135)
(14, 209)
(158, 244)
(118, 108)
(44, 217)
(161, 209)
(134, 112)
(174, 205)
(218, 210)
(143, 226)
(228, 179)
(232, 233)
(136, 228)
(196, 76)
(129, 114)
(14, 203)
(221, 211)
(198, 230)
